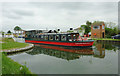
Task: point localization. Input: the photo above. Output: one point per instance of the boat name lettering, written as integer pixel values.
(82, 43)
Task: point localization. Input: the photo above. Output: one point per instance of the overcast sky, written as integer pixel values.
(53, 15)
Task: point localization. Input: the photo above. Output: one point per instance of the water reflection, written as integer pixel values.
(69, 53)
(102, 58)
(66, 53)
(99, 50)
(109, 45)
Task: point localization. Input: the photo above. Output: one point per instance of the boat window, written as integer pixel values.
(69, 35)
(74, 37)
(27, 36)
(63, 37)
(57, 37)
(46, 37)
(36, 36)
(33, 36)
(69, 38)
(41, 37)
(51, 37)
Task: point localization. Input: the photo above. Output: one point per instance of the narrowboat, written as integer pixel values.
(61, 39)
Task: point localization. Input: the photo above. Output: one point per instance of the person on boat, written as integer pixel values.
(85, 37)
(79, 38)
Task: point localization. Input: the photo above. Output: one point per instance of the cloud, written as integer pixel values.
(63, 15)
(14, 11)
(11, 15)
(23, 12)
(59, 0)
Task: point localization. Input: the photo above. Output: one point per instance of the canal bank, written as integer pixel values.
(16, 50)
(8, 65)
(11, 67)
(10, 46)
(106, 40)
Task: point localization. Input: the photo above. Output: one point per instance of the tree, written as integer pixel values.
(87, 27)
(110, 32)
(9, 33)
(115, 30)
(88, 23)
(118, 31)
(17, 28)
(80, 29)
(110, 24)
(3, 33)
(111, 29)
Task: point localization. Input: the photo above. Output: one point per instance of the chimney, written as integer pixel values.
(71, 28)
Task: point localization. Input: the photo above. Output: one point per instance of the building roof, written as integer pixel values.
(97, 23)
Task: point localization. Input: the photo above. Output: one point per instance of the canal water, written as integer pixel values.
(102, 58)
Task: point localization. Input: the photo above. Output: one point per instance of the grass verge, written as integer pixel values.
(106, 39)
(8, 66)
(8, 43)
(11, 67)
(0, 63)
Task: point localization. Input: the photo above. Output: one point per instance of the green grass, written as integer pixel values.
(8, 65)
(0, 63)
(10, 44)
(11, 67)
(106, 39)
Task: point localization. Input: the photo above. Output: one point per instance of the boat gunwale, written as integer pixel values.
(61, 41)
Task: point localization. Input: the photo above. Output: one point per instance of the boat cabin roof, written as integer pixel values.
(39, 32)
(56, 33)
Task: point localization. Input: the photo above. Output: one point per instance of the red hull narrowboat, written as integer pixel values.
(62, 39)
(78, 43)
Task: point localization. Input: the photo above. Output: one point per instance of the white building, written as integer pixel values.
(79, 30)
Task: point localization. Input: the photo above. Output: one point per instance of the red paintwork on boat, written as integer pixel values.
(62, 43)
(78, 51)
